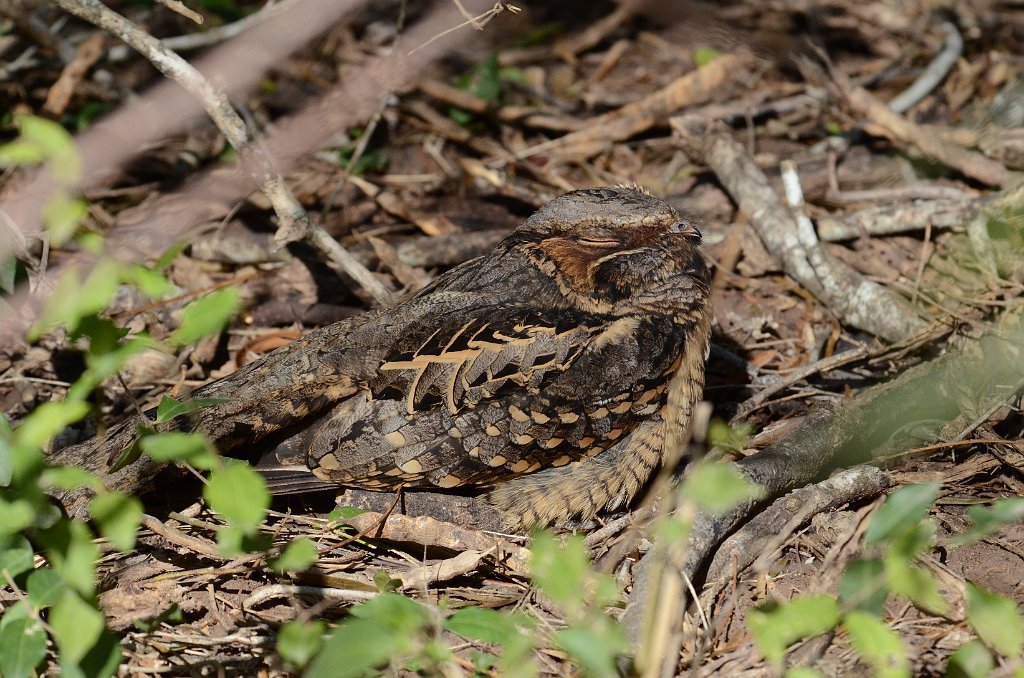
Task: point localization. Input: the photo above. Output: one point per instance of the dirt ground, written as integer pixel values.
(433, 160)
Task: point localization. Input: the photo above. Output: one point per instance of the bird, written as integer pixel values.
(553, 374)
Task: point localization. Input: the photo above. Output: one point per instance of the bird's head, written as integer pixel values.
(618, 250)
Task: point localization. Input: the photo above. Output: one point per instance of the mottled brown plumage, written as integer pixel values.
(551, 373)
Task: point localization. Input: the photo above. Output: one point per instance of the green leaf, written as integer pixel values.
(297, 642)
(169, 255)
(130, 454)
(17, 153)
(298, 556)
(485, 625)
(561, 571)
(7, 451)
(17, 515)
(373, 161)
(76, 625)
(971, 660)
(118, 516)
(238, 493)
(72, 554)
(596, 651)
(191, 448)
(988, 519)
(703, 56)
(395, 611)
(103, 365)
(8, 274)
(48, 420)
(57, 145)
(343, 512)
(69, 478)
(903, 509)
(104, 336)
(776, 626)
(206, 315)
(74, 299)
(383, 629)
(912, 541)
(22, 648)
(385, 583)
(996, 620)
(355, 649)
(717, 487)
(484, 80)
(62, 215)
(103, 657)
(877, 645)
(863, 586)
(915, 583)
(150, 282)
(16, 555)
(732, 438)
(169, 408)
(44, 588)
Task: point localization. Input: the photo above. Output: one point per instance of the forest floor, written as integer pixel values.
(477, 136)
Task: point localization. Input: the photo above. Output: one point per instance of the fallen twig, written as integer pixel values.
(693, 88)
(853, 298)
(883, 121)
(294, 223)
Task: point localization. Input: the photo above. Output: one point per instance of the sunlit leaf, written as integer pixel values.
(22, 647)
(191, 448)
(72, 553)
(485, 625)
(238, 493)
(877, 645)
(776, 626)
(915, 583)
(996, 620)
(48, 420)
(69, 478)
(298, 555)
(74, 299)
(987, 519)
(76, 626)
(732, 438)
(903, 509)
(57, 145)
(118, 516)
(298, 642)
(44, 587)
(971, 660)
(561, 569)
(206, 315)
(17, 515)
(169, 408)
(62, 215)
(595, 651)
(717, 487)
(18, 153)
(383, 629)
(864, 586)
(703, 56)
(16, 555)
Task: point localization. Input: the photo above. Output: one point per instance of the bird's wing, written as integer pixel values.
(294, 385)
(503, 391)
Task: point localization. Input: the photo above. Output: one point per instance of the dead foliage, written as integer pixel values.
(914, 206)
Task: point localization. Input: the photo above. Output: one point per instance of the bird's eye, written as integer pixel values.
(599, 242)
(685, 228)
